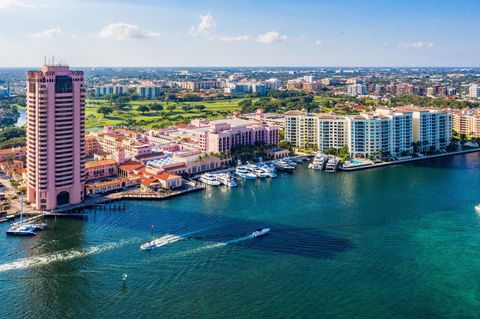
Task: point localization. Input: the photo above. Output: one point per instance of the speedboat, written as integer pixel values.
(260, 232)
(227, 180)
(159, 242)
(22, 230)
(209, 179)
(477, 208)
(244, 173)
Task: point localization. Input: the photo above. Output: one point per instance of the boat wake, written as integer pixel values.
(36, 261)
(223, 244)
(171, 238)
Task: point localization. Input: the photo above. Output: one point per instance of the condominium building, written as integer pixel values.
(356, 89)
(201, 85)
(432, 128)
(474, 91)
(149, 92)
(55, 136)
(109, 89)
(368, 135)
(466, 122)
(332, 132)
(384, 131)
(301, 128)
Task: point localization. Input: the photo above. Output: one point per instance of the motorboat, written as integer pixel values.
(477, 208)
(283, 166)
(332, 164)
(227, 180)
(318, 162)
(22, 230)
(159, 242)
(260, 232)
(243, 172)
(209, 179)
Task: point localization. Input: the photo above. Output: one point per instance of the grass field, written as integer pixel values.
(164, 118)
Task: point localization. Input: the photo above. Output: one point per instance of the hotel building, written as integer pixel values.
(55, 136)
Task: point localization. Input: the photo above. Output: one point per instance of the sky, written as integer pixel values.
(202, 33)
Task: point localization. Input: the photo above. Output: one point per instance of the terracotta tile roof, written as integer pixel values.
(100, 163)
(168, 176)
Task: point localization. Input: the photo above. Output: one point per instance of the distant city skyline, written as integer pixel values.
(204, 33)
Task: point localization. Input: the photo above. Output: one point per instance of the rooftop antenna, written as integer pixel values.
(45, 60)
(53, 60)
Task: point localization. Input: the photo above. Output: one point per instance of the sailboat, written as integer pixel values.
(21, 228)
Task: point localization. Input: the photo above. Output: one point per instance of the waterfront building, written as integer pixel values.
(332, 131)
(432, 128)
(55, 136)
(466, 122)
(368, 135)
(100, 169)
(110, 185)
(301, 128)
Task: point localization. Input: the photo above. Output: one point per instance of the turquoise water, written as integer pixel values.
(356, 162)
(393, 242)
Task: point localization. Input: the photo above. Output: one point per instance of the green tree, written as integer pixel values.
(143, 109)
(105, 110)
(156, 107)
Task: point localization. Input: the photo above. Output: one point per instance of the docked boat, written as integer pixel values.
(39, 226)
(260, 232)
(283, 166)
(209, 179)
(22, 230)
(332, 164)
(318, 162)
(243, 172)
(269, 171)
(227, 180)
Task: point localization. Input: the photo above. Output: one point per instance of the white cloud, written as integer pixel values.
(236, 38)
(5, 4)
(50, 33)
(318, 42)
(206, 25)
(124, 31)
(271, 37)
(416, 45)
(386, 43)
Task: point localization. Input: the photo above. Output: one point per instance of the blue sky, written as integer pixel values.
(240, 33)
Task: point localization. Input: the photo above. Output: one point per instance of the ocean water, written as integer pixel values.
(393, 242)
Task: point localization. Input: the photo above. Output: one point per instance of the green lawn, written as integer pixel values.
(165, 117)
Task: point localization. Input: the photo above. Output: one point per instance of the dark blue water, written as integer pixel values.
(394, 242)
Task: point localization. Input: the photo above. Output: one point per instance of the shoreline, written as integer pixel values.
(398, 162)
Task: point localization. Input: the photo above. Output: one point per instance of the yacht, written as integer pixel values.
(243, 172)
(318, 162)
(227, 180)
(332, 164)
(260, 232)
(209, 179)
(22, 230)
(283, 166)
(270, 171)
(39, 226)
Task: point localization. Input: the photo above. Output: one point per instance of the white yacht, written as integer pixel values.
(318, 162)
(226, 179)
(260, 232)
(332, 164)
(243, 172)
(209, 179)
(22, 230)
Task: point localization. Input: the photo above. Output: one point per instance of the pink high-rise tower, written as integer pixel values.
(55, 136)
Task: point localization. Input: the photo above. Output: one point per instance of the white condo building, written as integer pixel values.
(331, 131)
(474, 91)
(369, 134)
